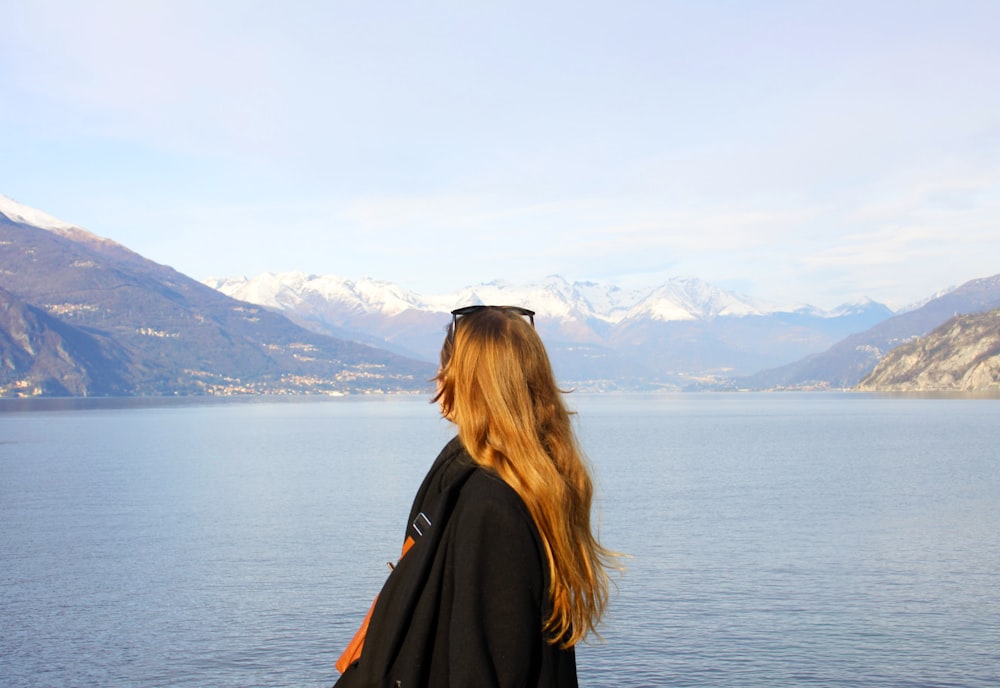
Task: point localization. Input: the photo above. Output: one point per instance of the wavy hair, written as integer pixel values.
(496, 384)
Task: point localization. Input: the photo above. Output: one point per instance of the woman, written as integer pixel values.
(501, 575)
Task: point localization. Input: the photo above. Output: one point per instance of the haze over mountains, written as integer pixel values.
(82, 315)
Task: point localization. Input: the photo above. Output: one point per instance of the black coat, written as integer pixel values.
(464, 607)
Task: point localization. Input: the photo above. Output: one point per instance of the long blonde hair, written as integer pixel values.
(496, 384)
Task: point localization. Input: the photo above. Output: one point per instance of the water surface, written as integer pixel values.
(820, 540)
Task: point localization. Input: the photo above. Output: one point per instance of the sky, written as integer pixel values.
(810, 152)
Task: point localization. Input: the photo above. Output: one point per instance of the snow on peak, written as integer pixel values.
(553, 298)
(299, 290)
(852, 307)
(688, 298)
(26, 215)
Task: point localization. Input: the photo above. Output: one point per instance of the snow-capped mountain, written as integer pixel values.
(301, 292)
(683, 327)
(692, 299)
(26, 215)
(555, 298)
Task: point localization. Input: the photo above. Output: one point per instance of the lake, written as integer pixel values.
(774, 539)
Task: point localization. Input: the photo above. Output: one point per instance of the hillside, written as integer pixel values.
(84, 315)
(843, 365)
(961, 355)
(40, 355)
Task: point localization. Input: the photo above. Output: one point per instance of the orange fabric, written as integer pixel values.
(352, 652)
(407, 545)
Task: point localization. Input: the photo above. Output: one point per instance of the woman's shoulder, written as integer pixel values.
(483, 496)
(487, 494)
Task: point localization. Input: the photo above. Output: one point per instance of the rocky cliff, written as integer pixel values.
(961, 355)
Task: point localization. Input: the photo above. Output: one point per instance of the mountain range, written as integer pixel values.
(82, 315)
(600, 336)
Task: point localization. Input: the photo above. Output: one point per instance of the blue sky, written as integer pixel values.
(795, 151)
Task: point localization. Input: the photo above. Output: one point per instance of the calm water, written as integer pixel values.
(776, 540)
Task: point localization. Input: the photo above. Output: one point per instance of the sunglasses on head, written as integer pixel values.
(468, 310)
